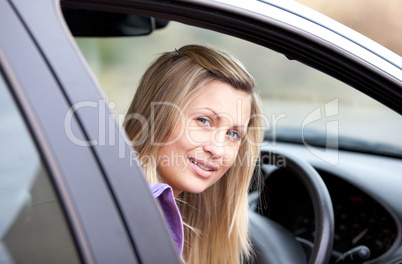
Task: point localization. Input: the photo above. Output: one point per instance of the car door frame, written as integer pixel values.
(110, 209)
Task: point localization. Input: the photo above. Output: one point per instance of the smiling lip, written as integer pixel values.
(202, 168)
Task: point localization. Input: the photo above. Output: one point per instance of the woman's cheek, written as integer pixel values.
(229, 158)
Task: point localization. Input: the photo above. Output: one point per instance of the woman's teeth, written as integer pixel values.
(200, 165)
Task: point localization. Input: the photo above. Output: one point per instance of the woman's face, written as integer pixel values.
(205, 143)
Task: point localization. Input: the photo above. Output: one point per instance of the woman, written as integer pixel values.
(195, 123)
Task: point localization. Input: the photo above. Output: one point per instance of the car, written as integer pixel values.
(71, 187)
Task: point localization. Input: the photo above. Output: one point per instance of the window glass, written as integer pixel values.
(33, 228)
(298, 101)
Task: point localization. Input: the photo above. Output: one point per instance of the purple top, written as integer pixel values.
(164, 194)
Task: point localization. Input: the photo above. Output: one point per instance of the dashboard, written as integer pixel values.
(359, 219)
(364, 198)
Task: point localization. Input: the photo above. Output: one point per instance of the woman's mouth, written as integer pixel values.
(202, 168)
(200, 165)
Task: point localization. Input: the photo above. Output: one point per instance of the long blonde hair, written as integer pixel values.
(216, 220)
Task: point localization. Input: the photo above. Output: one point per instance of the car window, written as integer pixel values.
(300, 103)
(33, 228)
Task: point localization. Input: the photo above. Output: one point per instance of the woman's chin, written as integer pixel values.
(195, 189)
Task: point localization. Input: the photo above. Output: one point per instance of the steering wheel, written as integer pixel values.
(272, 243)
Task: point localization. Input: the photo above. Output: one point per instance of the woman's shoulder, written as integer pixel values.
(164, 194)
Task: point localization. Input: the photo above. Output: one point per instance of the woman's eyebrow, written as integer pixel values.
(242, 129)
(215, 115)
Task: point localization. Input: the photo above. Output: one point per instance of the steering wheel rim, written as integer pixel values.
(318, 192)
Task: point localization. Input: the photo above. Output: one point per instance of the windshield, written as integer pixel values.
(301, 104)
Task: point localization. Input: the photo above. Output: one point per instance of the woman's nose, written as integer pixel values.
(216, 144)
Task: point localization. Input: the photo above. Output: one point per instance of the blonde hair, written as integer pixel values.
(216, 220)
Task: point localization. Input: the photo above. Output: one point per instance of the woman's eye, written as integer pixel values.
(204, 121)
(234, 134)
